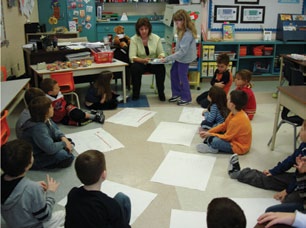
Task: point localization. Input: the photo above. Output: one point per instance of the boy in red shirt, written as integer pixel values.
(64, 113)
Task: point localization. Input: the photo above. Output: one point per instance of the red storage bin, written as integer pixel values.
(103, 56)
(243, 50)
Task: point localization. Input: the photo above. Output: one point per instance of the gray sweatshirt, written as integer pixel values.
(27, 205)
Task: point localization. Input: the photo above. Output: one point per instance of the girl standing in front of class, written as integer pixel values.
(100, 95)
(185, 53)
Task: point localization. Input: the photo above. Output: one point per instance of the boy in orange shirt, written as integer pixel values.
(237, 136)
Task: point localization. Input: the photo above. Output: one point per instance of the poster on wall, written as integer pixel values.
(226, 14)
(250, 14)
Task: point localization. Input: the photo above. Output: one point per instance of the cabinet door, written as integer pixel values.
(168, 15)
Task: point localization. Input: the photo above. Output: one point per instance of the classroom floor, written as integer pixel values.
(135, 164)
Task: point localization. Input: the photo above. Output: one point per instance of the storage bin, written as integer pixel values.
(103, 56)
(243, 50)
(230, 54)
(268, 50)
(261, 67)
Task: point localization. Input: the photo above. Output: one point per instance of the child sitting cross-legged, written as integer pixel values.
(217, 110)
(100, 96)
(25, 203)
(235, 134)
(87, 206)
(65, 113)
(51, 148)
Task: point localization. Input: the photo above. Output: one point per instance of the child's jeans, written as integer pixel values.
(125, 204)
(219, 144)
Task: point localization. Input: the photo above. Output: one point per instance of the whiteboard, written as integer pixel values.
(272, 9)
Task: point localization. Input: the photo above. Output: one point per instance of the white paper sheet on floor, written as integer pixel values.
(94, 139)
(131, 117)
(190, 219)
(185, 170)
(174, 133)
(191, 115)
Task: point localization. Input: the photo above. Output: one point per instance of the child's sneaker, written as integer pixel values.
(100, 118)
(85, 122)
(174, 99)
(233, 165)
(94, 112)
(182, 102)
(204, 148)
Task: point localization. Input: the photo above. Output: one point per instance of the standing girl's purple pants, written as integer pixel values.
(179, 81)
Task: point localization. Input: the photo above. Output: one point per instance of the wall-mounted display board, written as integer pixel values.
(251, 15)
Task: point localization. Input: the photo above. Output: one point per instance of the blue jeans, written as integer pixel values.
(286, 207)
(221, 145)
(125, 205)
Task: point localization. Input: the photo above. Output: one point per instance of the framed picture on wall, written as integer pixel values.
(224, 13)
(252, 14)
(246, 1)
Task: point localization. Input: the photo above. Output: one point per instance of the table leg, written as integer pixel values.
(36, 79)
(123, 85)
(276, 119)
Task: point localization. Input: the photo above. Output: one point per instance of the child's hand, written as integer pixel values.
(300, 164)
(280, 195)
(204, 110)
(52, 184)
(43, 184)
(219, 84)
(69, 145)
(266, 172)
(204, 134)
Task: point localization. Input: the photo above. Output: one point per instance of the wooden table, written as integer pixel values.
(116, 66)
(293, 98)
(12, 92)
(300, 63)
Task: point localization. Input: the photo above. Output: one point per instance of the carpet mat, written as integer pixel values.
(141, 102)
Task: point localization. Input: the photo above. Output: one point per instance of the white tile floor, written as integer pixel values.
(135, 164)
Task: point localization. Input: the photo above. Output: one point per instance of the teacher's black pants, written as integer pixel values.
(137, 69)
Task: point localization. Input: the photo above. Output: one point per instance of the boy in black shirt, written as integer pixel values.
(87, 206)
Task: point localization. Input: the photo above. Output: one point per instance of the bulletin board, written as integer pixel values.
(238, 9)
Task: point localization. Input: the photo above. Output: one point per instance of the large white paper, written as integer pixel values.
(192, 115)
(190, 219)
(254, 207)
(174, 133)
(140, 199)
(185, 170)
(131, 117)
(94, 139)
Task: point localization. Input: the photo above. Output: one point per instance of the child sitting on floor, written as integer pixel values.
(277, 178)
(243, 82)
(100, 95)
(217, 110)
(235, 134)
(222, 78)
(25, 203)
(51, 148)
(65, 113)
(29, 95)
(88, 201)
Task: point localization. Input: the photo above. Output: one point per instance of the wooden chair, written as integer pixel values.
(5, 129)
(66, 83)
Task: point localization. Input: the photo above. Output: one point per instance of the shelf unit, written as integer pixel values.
(269, 63)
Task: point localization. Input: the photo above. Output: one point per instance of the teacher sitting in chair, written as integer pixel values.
(145, 46)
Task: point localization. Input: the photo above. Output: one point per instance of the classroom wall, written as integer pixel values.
(12, 56)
